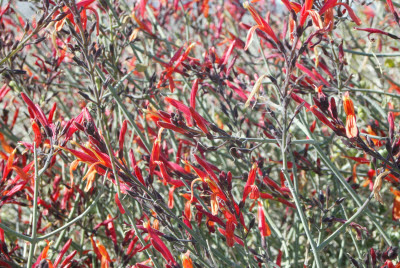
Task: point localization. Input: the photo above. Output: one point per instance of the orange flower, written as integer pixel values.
(155, 153)
(187, 261)
(348, 104)
(371, 132)
(105, 258)
(351, 126)
(214, 204)
(396, 204)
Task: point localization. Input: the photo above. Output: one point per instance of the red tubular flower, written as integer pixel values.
(51, 113)
(273, 184)
(373, 255)
(254, 192)
(173, 65)
(360, 160)
(210, 216)
(207, 167)
(388, 264)
(118, 202)
(36, 110)
(261, 24)
(193, 93)
(304, 11)
(322, 117)
(200, 121)
(36, 131)
(62, 252)
(131, 246)
(4, 10)
(159, 245)
(111, 229)
(155, 153)
(279, 258)
(82, 4)
(143, 25)
(95, 249)
(391, 7)
(292, 5)
(14, 118)
(82, 156)
(299, 100)
(351, 126)
(105, 257)
(227, 54)
(43, 255)
(171, 197)
(329, 4)
(122, 138)
(262, 224)
(139, 175)
(68, 259)
(171, 127)
(250, 181)
(235, 238)
(377, 31)
(214, 204)
(313, 75)
(396, 204)
(316, 19)
(180, 107)
(266, 196)
(166, 177)
(229, 235)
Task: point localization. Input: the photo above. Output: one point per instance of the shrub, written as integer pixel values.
(199, 134)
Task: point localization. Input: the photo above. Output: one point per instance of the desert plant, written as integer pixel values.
(199, 133)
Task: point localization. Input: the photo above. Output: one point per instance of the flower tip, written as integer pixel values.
(191, 45)
(246, 4)
(255, 165)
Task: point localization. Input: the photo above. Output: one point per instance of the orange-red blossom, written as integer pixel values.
(351, 126)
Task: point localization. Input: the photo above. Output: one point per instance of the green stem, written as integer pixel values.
(125, 110)
(366, 90)
(379, 55)
(303, 219)
(262, 140)
(13, 232)
(341, 228)
(35, 211)
(343, 181)
(80, 217)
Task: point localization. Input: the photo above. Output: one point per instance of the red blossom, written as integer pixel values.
(262, 224)
(261, 24)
